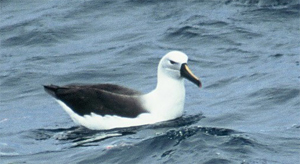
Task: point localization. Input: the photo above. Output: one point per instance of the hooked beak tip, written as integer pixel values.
(187, 73)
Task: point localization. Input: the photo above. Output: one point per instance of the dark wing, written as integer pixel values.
(104, 99)
(110, 88)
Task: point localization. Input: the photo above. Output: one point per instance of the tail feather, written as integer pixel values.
(51, 89)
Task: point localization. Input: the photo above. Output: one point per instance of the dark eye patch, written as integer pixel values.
(172, 62)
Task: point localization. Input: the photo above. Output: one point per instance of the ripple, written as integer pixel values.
(265, 3)
(275, 95)
(217, 160)
(185, 31)
(221, 83)
(185, 133)
(78, 135)
(39, 37)
(239, 141)
(201, 21)
(167, 146)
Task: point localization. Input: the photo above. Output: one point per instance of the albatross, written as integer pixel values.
(109, 106)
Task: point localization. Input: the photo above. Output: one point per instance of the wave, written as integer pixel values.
(266, 3)
(78, 134)
(39, 37)
(275, 95)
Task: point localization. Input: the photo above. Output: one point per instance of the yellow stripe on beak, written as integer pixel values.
(190, 72)
(187, 73)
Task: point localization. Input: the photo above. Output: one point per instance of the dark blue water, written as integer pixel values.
(247, 54)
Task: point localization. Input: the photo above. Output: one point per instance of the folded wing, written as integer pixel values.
(101, 99)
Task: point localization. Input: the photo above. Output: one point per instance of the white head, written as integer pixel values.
(174, 65)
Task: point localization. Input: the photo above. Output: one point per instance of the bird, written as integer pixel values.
(109, 106)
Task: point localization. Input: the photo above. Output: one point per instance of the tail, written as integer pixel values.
(51, 89)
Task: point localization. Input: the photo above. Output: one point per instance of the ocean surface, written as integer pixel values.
(246, 53)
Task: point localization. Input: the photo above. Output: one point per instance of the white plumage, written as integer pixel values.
(165, 102)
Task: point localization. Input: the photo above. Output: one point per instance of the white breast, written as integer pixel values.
(166, 102)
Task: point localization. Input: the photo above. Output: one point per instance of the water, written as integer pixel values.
(245, 52)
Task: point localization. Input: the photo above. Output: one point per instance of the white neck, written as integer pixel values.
(166, 101)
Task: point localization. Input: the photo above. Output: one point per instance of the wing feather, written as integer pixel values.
(102, 99)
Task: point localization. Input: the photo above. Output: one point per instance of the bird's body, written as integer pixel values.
(107, 106)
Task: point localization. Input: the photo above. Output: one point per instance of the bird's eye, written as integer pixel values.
(172, 62)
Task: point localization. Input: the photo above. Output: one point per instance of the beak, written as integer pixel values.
(187, 73)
